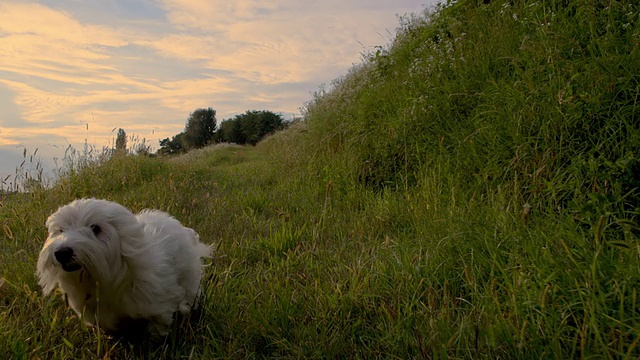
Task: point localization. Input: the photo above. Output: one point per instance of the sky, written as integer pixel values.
(74, 71)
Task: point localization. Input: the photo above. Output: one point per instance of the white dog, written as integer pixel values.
(116, 267)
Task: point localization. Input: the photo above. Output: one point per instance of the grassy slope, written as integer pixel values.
(396, 220)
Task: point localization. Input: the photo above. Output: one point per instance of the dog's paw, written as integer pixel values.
(159, 326)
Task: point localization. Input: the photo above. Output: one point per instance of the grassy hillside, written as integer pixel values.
(470, 190)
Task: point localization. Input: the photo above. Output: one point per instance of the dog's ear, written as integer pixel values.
(131, 235)
(49, 222)
(47, 279)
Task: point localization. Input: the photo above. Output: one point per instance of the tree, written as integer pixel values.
(250, 127)
(230, 132)
(173, 146)
(200, 129)
(121, 142)
(258, 124)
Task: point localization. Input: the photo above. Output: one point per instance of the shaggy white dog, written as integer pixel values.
(116, 267)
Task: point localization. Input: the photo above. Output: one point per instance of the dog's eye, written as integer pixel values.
(96, 229)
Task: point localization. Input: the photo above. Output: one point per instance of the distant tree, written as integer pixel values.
(250, 127)
(121, 142)
(173, 146)
(230, 132)
(258, 124)
(200, 129)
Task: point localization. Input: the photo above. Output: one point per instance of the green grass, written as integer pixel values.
(469, 191)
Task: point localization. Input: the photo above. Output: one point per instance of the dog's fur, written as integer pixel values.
(116, 267)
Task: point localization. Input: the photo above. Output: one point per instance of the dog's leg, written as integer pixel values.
(190, 282)
(159, 325)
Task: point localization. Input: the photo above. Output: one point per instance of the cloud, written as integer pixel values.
(284, 43)
(48, 24)
(46, 57)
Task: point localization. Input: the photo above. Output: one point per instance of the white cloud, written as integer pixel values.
(284, 43)
(49, 24)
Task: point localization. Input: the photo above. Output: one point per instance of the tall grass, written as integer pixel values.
(28, 175)
(469, 191)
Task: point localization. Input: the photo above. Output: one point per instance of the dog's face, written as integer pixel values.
(86, 235)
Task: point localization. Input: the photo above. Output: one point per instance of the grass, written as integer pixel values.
(469, 191)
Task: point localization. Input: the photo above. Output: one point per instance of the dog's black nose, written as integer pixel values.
(64, 255)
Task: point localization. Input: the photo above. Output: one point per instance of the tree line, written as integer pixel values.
(201, 129)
